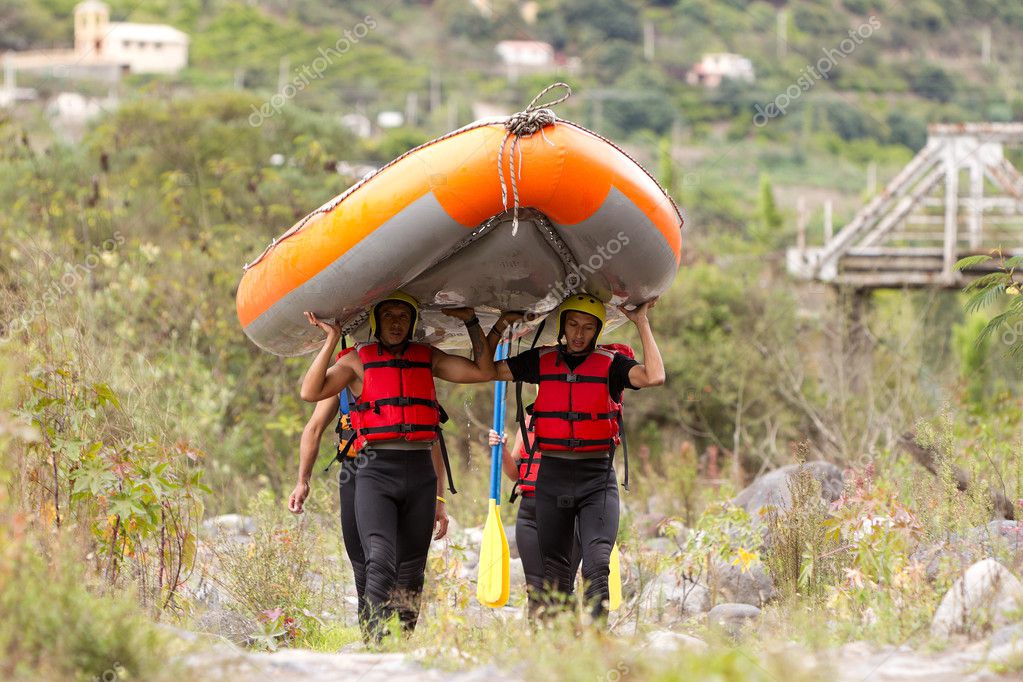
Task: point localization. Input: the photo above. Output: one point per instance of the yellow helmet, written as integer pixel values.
(401, 297)
(581, 303)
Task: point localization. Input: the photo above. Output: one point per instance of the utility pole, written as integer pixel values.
(782, 34)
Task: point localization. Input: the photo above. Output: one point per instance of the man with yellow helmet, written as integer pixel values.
(575, 424)
(396, 421)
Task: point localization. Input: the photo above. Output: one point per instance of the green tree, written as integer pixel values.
(769, 218)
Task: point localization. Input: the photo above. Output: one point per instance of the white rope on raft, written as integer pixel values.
(535, 117)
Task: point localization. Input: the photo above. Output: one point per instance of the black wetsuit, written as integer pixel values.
(350, 531)
(576, 489)
(528, 543)
(395, 502)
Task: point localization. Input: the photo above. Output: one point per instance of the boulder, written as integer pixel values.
(732, 618)
(772, 489)
(982, 598)
(995, 539)
(754, 586)
(229, 527)
(666, 641)
(671, 598)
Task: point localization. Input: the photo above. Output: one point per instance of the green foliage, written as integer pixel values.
(930, 81)
(995, 287)
(139, 499)
(972, 349)
(281, 577)
(804, 555)
(59, 625)
(950, 510)
(769, 218)
(725, 534)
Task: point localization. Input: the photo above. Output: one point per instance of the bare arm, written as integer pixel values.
(309, 446)
(502, 371)
(461, 370)
(440, 518)
(309, 449)
(651, 371)
(508, 464)
(315, 376)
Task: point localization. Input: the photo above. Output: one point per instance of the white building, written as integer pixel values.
(717, 66)
(105, 49)
(528, 54)
(137, 48)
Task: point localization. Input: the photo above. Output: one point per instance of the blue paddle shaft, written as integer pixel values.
(495, 451)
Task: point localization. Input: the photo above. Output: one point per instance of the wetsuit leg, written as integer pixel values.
(598, 528)
(394, 505)
(415, 532)
(529, 551)
(571, 491)
(577, 552)
(376, 512)
(350, 533)
(556, 513)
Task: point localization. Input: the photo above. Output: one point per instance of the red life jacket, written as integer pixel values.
(399, 400)
(574, 410)
(528, 471)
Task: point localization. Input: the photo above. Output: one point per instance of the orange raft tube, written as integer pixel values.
(434, 223)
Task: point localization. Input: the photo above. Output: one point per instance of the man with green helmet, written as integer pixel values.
(575, 425)
(396, 421)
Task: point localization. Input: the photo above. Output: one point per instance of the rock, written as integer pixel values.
(513, 548)
(754, 587)
(773, 487)
(664, 546)
(228, 624)
(675, 530)
(981, 598)
(453, 525)
(1007, 634)
(229, 526)
(671, 598)
(732, 618)
(994, 539)
(666, 641)
(474, 536)
(516, 576)
(299, 665)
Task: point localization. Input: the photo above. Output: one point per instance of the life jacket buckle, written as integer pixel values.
(574, 442)
(405, 428)
(571, 378)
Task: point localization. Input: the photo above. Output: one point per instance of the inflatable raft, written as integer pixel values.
(564, 210)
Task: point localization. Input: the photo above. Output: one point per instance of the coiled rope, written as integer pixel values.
(535, 117)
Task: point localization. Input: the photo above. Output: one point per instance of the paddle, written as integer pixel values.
(614, 581)
(492, 584)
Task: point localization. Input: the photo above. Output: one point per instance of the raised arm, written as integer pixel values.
(321, 380)
(461, 370)
(506, 320)
(651, 371)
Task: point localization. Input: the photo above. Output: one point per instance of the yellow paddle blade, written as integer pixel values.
(491, 577)
(614, 580)
(505, 568)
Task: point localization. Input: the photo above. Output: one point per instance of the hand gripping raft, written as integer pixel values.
(503, 214)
